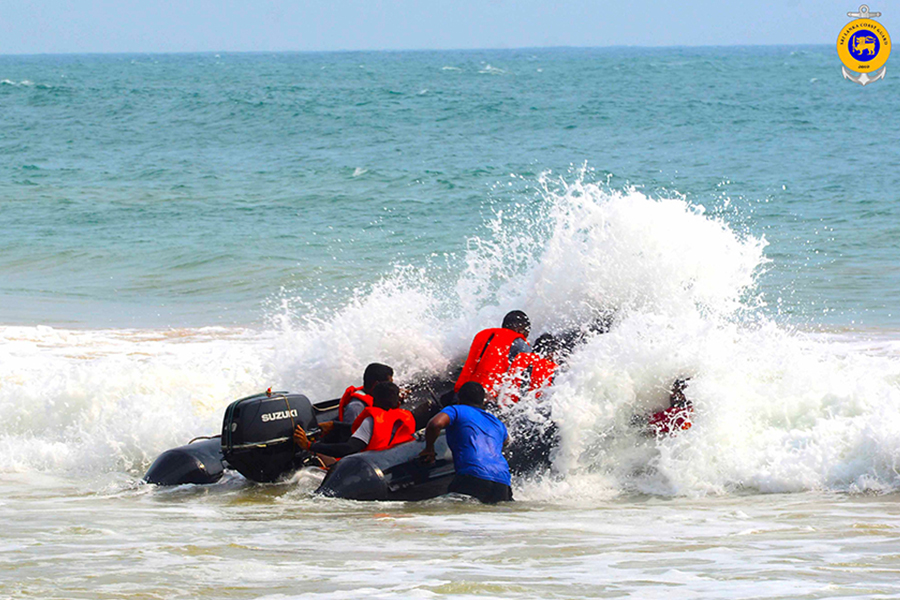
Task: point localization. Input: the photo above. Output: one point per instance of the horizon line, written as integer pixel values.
(386, 50)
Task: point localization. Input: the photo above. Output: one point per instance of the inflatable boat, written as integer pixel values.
(257, 442)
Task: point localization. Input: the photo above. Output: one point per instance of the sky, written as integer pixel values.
(87, 26)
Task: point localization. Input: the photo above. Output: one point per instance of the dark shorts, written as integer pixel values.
(489, 492)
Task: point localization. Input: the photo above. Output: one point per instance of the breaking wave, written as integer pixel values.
(776, 409)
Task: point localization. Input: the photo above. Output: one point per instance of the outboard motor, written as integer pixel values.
(257, 433)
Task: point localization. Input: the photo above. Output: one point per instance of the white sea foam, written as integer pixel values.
(491, 70)
(776, 409)
(23, 83)
(99, 400)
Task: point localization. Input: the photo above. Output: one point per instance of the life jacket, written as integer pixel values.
(353, 393)
(488, 359)
(384, 433)
(671, 420)
(529, 371)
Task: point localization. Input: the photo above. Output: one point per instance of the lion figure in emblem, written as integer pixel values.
(864, 43)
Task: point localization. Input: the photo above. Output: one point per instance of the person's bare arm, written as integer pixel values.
(300, 438)
(437, 423)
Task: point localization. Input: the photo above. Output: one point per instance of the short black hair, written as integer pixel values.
(547, 345)
(386, 395)
(472, 394)
(517, 321)
(376, 372)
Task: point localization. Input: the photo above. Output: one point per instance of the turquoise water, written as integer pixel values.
(188, 190)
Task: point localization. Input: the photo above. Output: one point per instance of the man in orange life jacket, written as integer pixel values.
(354, 401)
(531, 371)
(379, 427)
(671, 420)
(491, 353)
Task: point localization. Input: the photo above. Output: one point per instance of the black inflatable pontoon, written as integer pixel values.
(257, 441)
(197, 462)
(393, 474)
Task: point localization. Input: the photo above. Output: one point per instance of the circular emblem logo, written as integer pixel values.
(864, 45)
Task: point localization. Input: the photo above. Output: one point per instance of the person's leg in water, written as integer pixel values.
(488, 492)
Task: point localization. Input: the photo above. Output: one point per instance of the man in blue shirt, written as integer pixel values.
(476, 438)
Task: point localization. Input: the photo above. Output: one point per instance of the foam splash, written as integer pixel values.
(776, 410)
(587, 248)
(100, 400)
(397, 321)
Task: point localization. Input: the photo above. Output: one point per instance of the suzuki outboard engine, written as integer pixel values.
(257, 433)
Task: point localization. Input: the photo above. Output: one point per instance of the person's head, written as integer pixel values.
(517, 321)
(677, 397)
(386, 395)
(376, 373)
(547, 346)
(471, 394)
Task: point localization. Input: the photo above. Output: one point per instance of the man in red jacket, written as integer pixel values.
(678, 417)
(379, 427)
(493, 350)
(357, 399)
(354, 401)
(532, 371)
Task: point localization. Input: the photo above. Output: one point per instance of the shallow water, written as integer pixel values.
(231, 541)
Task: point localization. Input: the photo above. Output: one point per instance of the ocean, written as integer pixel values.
(178, 231)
